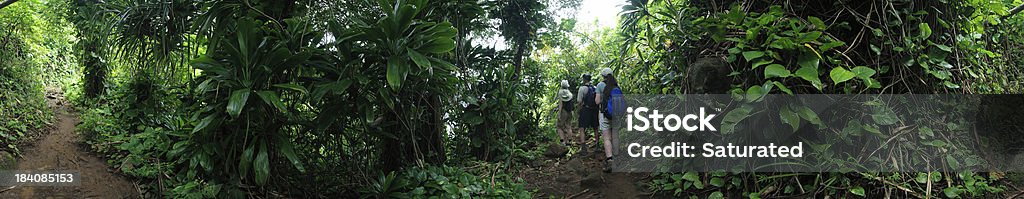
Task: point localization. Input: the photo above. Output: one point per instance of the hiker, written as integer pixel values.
(587, 117)
(565, 108)
(610, 98)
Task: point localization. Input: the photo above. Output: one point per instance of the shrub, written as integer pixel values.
(443, 182)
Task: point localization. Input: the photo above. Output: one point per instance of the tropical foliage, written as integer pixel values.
(419, 98)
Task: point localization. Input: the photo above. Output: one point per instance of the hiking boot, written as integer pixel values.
(608, 165)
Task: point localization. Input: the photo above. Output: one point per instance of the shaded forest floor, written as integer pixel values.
(62, 149)
(579, 175)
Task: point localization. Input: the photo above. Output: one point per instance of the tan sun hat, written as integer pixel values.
(564, 95)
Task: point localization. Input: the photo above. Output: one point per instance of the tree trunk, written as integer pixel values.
(1014, 11)
(6, 3)
(518, 59)
(433, 131)
(423, 142)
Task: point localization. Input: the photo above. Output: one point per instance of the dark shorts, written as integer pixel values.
(588, 118)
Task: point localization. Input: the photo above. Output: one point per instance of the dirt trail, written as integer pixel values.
(581, 176)
(62, 149)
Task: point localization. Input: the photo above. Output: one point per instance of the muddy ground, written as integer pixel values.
(61, 148)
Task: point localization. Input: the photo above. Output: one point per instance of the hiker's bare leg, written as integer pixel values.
(568, 134)
(615, 140)
(561, 136)
(607, 136)
(583, 135)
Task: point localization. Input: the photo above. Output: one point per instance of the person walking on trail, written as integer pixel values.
(609, 97)
(565, 108)
(587, 106)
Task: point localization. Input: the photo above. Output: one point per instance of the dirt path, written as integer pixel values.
(581, 176)
(62, 149)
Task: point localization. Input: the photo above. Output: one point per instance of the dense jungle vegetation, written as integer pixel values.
(411, 98)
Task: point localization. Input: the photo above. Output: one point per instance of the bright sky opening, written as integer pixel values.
(605, 12)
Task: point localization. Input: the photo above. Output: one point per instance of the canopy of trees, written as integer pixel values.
(392, 98)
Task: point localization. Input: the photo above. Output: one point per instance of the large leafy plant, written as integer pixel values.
(244, 124)
(386, 75)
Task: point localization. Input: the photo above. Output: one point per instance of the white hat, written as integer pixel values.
(606, 72)
(565, 95)
(565, 83)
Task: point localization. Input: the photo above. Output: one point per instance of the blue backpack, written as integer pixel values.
(616, 104)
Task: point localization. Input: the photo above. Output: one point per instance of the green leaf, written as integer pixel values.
(853, 128)
(336, 87)
(754, 93)
(397, 70)
(691, 176)
(297, 59)
(950, 84)
(935, 143)
(872, 83)
(754, 195)
(262, 165)
(830, 45)
(444, 64)
(208, 64)
(817, 22)
(439, 45)
(751, 55)
(289, 152)
(809, 115)
(926, 31)
(246, 162)
(789, 117)
(760, 63)
(921, 178)
(776, 70)
(863, 72)
(204, 161)
(859, 191)
(809, 36)
(952, 161)
(237, 101)
(951, 192)
(926, 132)
(783, 88)
(883, 115)
(473, 118)
(204, 123)
(418, 58)
(272, 99)
(293, 86)
(716, 181)
(811, 75)
(945, 64)
(716, 195)
(808, 60)
(734, 117)
(840, 75)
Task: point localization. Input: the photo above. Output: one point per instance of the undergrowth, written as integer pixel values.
(446, 182)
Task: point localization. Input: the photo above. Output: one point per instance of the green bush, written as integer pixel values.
(22, 105)
(443, 182)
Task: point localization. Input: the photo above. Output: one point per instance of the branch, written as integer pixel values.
(1013, 11)
(6, 3)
